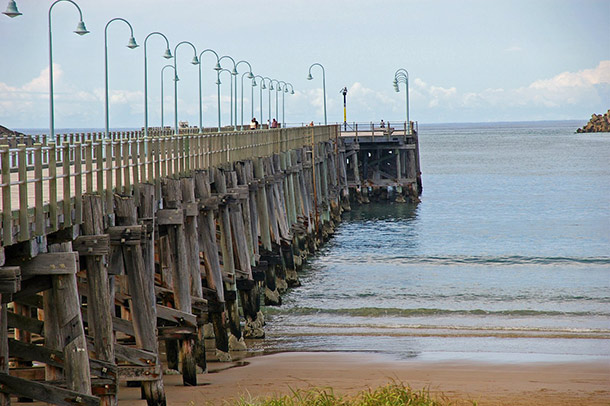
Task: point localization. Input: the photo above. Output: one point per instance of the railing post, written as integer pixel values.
(53, 215)
(67, 209)
(24, 227)
(39, 206)
(89, 165)
(78, 183)
(7, 211)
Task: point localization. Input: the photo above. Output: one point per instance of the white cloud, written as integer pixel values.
(514, 48)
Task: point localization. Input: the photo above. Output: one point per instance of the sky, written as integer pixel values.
(468, 60)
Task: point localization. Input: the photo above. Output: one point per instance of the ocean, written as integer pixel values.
(507, 257)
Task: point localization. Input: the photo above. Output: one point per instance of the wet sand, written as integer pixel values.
(518, 384)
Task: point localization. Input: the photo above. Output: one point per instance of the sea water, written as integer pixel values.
(507, 257)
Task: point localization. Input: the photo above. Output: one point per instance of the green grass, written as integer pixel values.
(393, 394)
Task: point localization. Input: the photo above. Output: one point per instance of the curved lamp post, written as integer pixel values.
(402, 76)
(234, 74)
(131, 44)
(270, 89)
(250, 76)
(162, 97)
(231, 89)
(309, 77)
(80, 30)
(11, 9)
(167, 55)
(261, 88)
(216, 68)
(194, 61)
(286, 84)
(278, 88)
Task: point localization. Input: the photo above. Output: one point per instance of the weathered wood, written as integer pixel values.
(172, 197)
(92, 245)
(228, 259)
(33, 352)
(5, 399)
(25, 323)
(141, 288)
(134, 356)
(52, 263)
(176, 316)
(139, 373)
(46, 393)
(207, 237)
(66, 304)
(99, 302)
(10, 279)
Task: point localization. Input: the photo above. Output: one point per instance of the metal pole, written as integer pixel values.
(80, 30)
(176, 131)
(167, 55)
(129, 45)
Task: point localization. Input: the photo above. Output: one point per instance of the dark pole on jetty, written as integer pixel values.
(344, 93)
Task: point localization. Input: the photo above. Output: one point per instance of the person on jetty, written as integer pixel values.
(311, 124)
(274, 123)
(382, 124)
(254, 124)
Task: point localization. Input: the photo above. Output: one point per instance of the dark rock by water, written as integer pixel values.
(598, 124)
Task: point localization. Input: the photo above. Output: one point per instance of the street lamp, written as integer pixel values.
(131, 44)
(230, 81)
(80, 30)
(270, 89)
(309, 77)
(250, 76)
(11, 9)
(402, 76)
(166, 55)
(194, 61)
(162, 97)
(217, 68)
(286, 84)
(261, 88)
(234, 74)
(278, 88)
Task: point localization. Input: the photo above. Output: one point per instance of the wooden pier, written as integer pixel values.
(112, 247)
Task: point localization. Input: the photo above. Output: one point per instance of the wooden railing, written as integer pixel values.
(42, 185)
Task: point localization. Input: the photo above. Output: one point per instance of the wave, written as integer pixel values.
(469, 260)
(397, 312)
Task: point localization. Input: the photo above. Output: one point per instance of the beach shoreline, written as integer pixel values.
(347, 373)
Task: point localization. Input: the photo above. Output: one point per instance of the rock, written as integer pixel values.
(597, 124)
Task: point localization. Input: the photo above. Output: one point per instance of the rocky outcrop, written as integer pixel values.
(598, 124)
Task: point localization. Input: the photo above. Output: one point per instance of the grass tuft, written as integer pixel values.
(392, 394)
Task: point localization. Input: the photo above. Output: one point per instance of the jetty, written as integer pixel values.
(114, 246)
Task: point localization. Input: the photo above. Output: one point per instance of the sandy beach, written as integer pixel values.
(494, 384)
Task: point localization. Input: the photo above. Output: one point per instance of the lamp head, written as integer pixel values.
(254, 83)
(11, 9)
(250, 75)
(292, 92)
(132, 43)
(285, 89)
(309, 77)
(234, 72)
(195, 60)
(396, 88)
(395, 82)
(167, 54)
(81, 29)
(263, 86)
(271, 86)
(217, 67)
(218, 82)
(176, 78)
